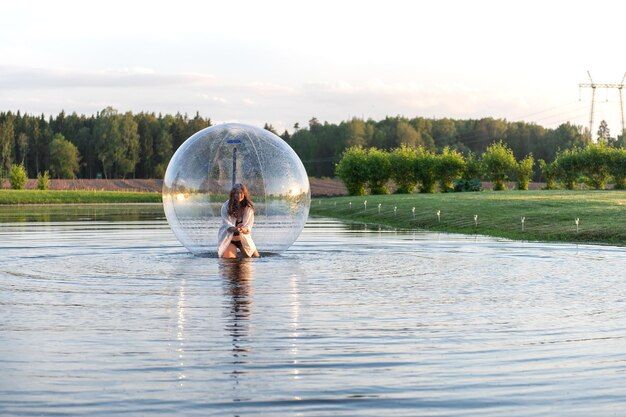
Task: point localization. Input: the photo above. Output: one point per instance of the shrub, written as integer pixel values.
(568, 167)
(473, 167)
(498, 163)
(352, 170)
(524, 172)
(43, 181)
(402, 162)
(463, 185)
(595, 161)
(450, 166)
(425, 166)
(617, 167)
(378, 170)
(18, 176)
(549, 173)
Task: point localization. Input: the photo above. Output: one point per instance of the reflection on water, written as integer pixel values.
(237, 276)
(109, 317)
(81, 212)
(180, 331)
(295, 324)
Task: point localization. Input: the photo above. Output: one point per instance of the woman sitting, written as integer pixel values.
(237, 220)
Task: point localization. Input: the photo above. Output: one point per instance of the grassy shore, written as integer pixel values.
(549, 215)
(76, 197)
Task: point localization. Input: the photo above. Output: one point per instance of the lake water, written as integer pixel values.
(103, 312)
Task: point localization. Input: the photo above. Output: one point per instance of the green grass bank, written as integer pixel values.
(548, 215)
(76, 197)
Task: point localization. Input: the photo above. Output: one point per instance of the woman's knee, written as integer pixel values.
(230, 252)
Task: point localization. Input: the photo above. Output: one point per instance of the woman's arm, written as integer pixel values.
(226, 219)
(248, 221)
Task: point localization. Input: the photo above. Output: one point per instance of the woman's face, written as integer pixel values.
(238, 195)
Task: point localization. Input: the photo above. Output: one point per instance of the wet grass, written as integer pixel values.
(549, 215)
(76, 197)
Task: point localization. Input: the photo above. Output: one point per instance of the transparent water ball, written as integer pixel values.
(203, 170)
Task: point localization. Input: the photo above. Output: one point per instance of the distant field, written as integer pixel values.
(98, 184)
(549, 215)
(319, 186)
(76, 197)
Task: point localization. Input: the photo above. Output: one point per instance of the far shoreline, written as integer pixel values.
(548, 216)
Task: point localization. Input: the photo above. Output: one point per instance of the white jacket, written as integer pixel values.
(224, 236)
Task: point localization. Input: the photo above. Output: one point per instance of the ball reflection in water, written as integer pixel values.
(203, 170)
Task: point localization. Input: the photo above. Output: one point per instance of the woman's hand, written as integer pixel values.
(244, 230)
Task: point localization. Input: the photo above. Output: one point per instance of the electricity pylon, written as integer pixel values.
(593, 87)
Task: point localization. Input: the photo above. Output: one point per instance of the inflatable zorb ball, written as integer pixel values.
(203, 170)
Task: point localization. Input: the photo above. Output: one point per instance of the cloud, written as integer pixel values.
(215, 99)
(50, 90)
(12, 77)
(270, 88)
(378, 98)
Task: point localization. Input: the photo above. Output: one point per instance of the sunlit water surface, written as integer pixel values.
(102, 312)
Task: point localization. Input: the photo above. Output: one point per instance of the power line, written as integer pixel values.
(576, 109)
(544, 111)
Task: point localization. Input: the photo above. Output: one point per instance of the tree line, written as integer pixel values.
(370, 170)
(111, 144)
(320, 145)
(108, 144)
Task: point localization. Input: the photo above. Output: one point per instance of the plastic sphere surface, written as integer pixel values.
(203, 170)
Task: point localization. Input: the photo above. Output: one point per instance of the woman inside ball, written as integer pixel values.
(237, 220)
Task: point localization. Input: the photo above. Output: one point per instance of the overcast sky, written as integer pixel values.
(284, 62)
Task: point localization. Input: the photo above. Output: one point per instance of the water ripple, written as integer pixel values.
(112, 317)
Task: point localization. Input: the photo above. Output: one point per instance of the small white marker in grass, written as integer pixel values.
(476, 219)
(523, 220)
(439, 216)
(413, 211)
(577, 221)
(350, 204)
(365, 205)
(395, 209)
(378, 208)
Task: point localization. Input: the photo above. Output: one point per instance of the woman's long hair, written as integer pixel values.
(234, 206)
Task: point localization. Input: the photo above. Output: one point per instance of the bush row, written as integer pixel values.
(410, 167)
(594, 165)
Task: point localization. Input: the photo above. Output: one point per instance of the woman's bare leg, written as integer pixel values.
(230, 252)
(254, 255)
